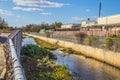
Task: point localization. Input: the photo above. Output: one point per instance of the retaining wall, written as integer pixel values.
(107, 56)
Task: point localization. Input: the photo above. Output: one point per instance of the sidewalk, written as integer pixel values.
(2, 63)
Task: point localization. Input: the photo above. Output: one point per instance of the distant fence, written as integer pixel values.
(12, 49)
(91, 32)
(112, 44)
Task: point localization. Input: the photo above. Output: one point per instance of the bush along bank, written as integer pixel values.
(55, 46)
(113, 42)
(46, 44)
(38, 64)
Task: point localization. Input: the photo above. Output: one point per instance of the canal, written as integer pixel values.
(87, 68)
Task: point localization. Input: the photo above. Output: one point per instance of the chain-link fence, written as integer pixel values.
(106, 43)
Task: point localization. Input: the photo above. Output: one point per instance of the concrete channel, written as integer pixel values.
(109, 57)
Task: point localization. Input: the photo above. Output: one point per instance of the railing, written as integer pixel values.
(12, 49)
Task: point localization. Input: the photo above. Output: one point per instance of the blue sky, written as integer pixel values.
(21, 12)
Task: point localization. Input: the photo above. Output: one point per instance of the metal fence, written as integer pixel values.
(105, 43)
(12, 50)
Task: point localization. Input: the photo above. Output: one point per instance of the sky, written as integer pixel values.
(19, 13)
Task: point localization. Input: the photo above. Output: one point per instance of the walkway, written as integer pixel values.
(3, 39)
(2, 62)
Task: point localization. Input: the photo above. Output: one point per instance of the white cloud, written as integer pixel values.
(45, 13)
(76, 18)
(87, 10)
(27, 9)
(95, 17)
(38, 3)
(5, 12)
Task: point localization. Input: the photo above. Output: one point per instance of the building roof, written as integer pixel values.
(112, 25)
(111, 16)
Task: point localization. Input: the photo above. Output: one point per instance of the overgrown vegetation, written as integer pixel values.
(91, 40)
(4, 26)
(38, 64)
(113, 42)
(80, 37)
(24, 35)
(70, 51)
(109, 43)
(50, 46)
(46, 44)
(37, 28)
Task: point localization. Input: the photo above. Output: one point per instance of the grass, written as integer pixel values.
(24, 35)
(45, 44)
(38, 64)
(50, 46)
(54, 72)
(70, 51)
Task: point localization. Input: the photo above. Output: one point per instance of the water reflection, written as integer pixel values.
(87, 68)
(28, 40)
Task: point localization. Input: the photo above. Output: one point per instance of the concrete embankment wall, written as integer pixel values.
(99, 54)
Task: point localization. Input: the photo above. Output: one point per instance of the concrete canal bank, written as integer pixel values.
(107, 56)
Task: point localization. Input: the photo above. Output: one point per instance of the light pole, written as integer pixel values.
(100, 5)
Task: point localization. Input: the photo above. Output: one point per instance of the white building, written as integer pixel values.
(86, 23)
(115, 19)
(69, 26)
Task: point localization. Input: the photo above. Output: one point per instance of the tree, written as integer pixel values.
(3, 23)
(55, 25)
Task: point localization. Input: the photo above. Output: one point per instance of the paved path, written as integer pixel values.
(5, 34)
(3, 39)
(2, 62)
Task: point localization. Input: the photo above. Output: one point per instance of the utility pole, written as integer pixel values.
(100, 5)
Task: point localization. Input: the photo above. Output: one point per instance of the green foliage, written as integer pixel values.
(45, 44)
(38, 64)
(3, 24)
(55, 25)
(36, 51)
(70, 51)
(60, 73)
(80, 37)
(108, 42)
(37, 28)
(90, 40)
(48, 34)
(114, 36)
(113, 41)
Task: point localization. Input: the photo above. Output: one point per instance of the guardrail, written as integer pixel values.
(12, 49)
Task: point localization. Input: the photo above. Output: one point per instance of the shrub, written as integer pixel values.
(36, 51)
(80, 37)
(91, 39)
(38, 64)
(113, 41)
(108, 42)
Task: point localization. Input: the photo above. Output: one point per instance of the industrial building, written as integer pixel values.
(115, 19)
(103, 21)
(70, 26)
(86, 23)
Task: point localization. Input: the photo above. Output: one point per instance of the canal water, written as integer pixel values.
(87, 68)
(28, 40)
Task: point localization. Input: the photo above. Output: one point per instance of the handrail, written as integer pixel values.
(18, 72)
